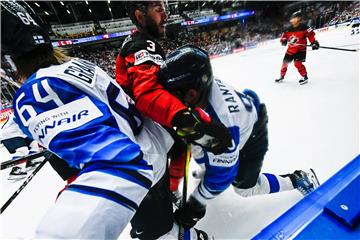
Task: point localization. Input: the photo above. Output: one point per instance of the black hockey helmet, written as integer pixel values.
(21, 29)
(296, 14)
(188, 67)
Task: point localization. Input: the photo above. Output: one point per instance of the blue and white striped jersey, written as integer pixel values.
(78, 112)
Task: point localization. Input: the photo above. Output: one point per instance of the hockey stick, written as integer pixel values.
(11, 199)
(11, 163)
(184, 190)
(332, 48)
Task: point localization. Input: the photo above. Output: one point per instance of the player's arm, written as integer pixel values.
(220, 172)
(77, 128)
(310, 34)
(143, 64)
(284, 38)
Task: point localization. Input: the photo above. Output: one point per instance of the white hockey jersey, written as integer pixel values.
(238, 113)
(81, 114)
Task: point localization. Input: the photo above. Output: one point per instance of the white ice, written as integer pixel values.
(315, 125)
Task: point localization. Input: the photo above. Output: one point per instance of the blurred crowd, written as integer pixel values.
(8, 85)
(352, 11)
(58, 35)
(224, 40)
(104, 58)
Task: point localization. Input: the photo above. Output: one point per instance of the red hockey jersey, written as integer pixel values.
(297, 38)
(137, 67)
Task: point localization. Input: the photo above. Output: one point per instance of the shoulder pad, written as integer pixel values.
(138, 42)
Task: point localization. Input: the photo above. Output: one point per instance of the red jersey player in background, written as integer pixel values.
(296, 35)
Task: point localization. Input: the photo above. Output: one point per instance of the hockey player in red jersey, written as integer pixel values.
(137, 67)
(296, 37)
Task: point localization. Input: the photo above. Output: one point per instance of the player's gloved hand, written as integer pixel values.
(315, 45)
(188, 215)
(283, 41)
(196, 126)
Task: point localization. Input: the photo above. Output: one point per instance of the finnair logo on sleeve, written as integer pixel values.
(224, 160)
(45, 126)
(144, 56)
(38, 39)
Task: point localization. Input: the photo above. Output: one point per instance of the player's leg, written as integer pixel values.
(99, 203)
(299, 59)
(284, 66)
(154, 217)
(250, 182)
(177, 155)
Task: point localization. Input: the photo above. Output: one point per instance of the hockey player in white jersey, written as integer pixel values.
(188, 75)
(75, 110)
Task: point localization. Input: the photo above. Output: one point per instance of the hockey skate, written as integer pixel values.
(305, 182)
(303, 80)
(279, 80)
(17, 173)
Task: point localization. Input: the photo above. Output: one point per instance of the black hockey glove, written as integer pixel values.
(315, 45)
(190, 214)
(283, 41)
(196, 126)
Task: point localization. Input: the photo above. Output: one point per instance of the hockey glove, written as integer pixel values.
(315, 45)
(190, 214)
(283, 41)
(196, 126)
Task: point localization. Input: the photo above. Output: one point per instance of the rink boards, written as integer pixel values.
(330, 212)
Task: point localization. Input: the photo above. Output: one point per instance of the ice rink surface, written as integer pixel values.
(315, 125)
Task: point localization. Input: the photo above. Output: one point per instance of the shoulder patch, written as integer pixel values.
(143, 56)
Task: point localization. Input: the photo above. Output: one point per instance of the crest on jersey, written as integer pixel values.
(293, 39)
